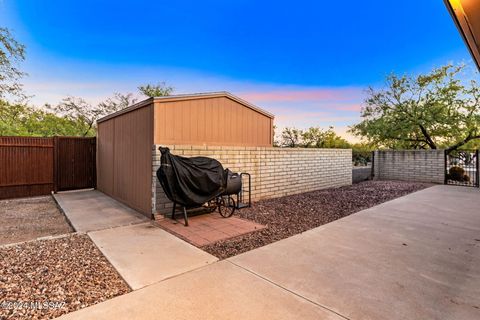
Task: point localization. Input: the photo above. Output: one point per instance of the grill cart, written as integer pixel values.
(200, 182)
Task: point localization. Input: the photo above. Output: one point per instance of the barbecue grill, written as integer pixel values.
(200, 182)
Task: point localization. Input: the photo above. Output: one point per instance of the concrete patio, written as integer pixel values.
(416, 257)
(140, 251)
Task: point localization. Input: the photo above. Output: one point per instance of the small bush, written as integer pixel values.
(361, 158)
(457, 174)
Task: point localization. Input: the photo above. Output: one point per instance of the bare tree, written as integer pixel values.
(291, 137)
(85, 114)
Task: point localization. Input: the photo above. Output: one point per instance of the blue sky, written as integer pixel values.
(307, 62)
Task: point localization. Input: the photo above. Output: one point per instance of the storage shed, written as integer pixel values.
(125, 138)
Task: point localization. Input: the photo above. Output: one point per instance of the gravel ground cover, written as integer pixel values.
(44, 279)
(30, 218)
(290, 215)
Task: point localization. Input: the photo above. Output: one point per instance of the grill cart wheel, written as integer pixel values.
(226, 206)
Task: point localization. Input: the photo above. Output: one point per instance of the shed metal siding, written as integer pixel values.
(105, 153)
(211, 121)
(125, 158)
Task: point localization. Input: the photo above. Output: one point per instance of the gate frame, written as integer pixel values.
(55, 164)
(477, 169)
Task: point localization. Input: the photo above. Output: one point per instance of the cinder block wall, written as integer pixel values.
(410, 165)
(275, 172)
(360, 174)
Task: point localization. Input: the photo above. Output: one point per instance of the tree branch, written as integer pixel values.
(461, 143)
(428, 139)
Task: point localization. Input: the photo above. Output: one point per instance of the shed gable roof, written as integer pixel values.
(181, 97)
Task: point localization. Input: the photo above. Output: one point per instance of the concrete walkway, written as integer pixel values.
(140, 251)
(92, 210)
(416, 257)
(145, 254)
(218, 291)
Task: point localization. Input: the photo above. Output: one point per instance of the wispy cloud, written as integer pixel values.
(304, 94)
(296, 106)
(305, 107)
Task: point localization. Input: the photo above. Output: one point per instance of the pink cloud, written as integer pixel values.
(349, 107)
(313, 116)
(301, 115)
(319, 107)
(290, 95)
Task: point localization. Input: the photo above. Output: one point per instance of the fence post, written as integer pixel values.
(372, 172)
(445, 160)
(55, 164)
(477, 173)
(94, 162)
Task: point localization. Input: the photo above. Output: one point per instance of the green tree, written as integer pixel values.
(17, 119)
(435, 110)
(12, 118)
(156, 90)
(315, 137)
(11, 54)
(47, 124)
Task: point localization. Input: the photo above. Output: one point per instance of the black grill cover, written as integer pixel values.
(190, 182)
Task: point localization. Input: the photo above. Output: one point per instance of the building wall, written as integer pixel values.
(275, 172)
(124, 159)
(213, 121)
(360, 174)
(410, 165)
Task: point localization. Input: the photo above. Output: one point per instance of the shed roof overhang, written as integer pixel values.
(466, 15)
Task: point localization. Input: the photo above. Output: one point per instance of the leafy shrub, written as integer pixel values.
(361, 158)
(457, 174)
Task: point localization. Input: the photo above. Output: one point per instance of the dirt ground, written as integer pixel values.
(44, 279)
(290, 215)
(29, 218)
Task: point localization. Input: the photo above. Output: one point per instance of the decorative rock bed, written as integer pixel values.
(44, 279)
(290, 215)
(30, 218)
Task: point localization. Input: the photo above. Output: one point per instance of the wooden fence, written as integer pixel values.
(31, 166)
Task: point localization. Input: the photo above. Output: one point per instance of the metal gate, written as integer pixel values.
(75, 164)
(462, 168)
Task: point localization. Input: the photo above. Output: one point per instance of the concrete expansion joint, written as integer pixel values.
(58, 236)
(175, 276)
(290, 291)
(122, 226)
